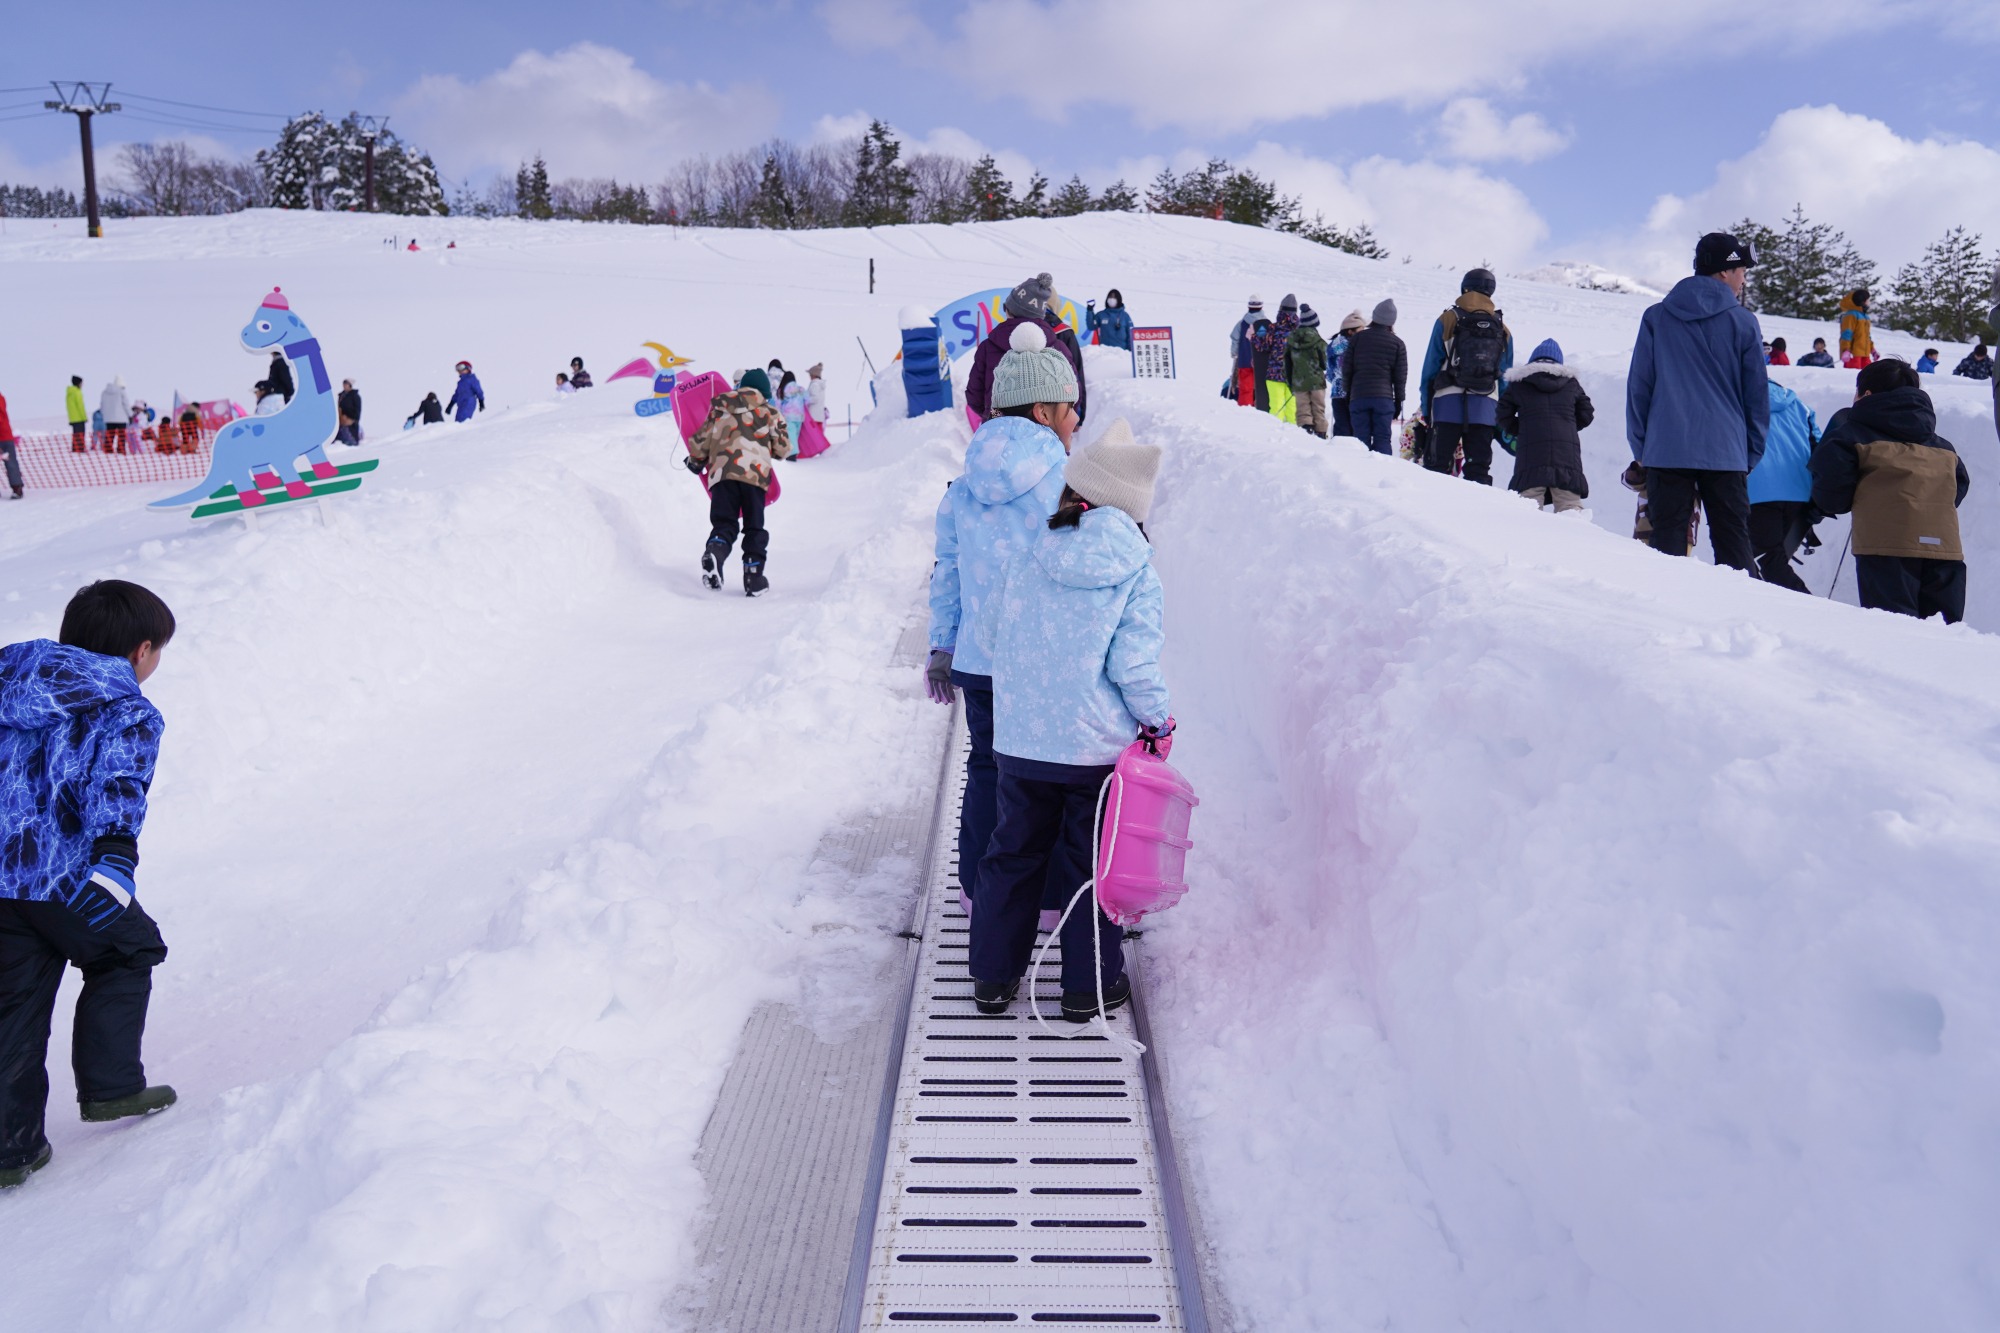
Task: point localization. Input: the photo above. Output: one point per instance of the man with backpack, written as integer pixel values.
(1471, 350)
(1698, 403)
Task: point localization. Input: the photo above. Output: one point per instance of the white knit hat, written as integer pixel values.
(1115, 471)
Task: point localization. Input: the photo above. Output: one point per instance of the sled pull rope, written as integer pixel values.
(1102, 1019)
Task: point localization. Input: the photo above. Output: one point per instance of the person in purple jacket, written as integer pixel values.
(1027, 303)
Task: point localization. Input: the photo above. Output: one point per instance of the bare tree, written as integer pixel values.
(941, 188)
(172, 180)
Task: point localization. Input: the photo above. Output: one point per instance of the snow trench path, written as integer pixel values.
(1017, 1177)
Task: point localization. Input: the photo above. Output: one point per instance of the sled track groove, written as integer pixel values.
(1015, 1178)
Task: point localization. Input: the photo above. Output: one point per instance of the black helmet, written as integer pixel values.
(1480, 280)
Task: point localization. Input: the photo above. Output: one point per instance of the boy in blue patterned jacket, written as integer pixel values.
(77, 746)
(1075, 636)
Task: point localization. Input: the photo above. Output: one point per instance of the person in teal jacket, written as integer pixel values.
(1112, 325)
(1780, 486)
(990, 515)
(1075, 637)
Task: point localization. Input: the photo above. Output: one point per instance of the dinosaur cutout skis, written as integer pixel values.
(256, 458)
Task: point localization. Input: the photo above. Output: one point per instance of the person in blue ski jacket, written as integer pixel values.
(1075, 636)
(468, 397)
(1697, 403)
(78, 743)
(1336, 382)
(1780, 488)
(1112, 325)
(1012, 480)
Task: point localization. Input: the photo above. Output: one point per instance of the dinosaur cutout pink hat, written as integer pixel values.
(276, 301)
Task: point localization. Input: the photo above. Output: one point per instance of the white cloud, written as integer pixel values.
(1191, 64)
(1435, 213)
(1469, 128)
(588, 109)
(1891, 195)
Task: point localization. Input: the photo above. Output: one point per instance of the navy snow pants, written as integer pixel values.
(1044, 834)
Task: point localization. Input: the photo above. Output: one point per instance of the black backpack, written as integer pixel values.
(1478, 342)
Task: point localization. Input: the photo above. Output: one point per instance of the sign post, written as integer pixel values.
(1153, 353)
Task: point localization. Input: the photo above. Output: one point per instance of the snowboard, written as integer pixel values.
(347, 477)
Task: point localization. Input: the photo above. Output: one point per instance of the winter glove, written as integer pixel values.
(937, 677)
(1634, 477)
(692, 465)
(110, 888)
(1508, 443)
(1158, 740)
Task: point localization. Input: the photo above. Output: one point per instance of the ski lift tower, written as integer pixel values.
(84, 100)
(371, 130)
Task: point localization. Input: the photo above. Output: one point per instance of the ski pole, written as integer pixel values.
(1838, 563)
(864, 355)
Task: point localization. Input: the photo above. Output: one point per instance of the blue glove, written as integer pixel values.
(111, 886)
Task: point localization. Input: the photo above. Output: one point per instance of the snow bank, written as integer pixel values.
(1581, 939)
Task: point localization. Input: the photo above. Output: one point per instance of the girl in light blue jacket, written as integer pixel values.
(1075, 638)
(1013, 478)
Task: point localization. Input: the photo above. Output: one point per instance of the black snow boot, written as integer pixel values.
(712, 557)
(14, 1177)
(754, 581)
(1080, 1006)
(993, 997)
(145, 1102)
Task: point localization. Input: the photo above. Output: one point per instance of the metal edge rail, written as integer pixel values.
(1173, 1198)
(856, 1294)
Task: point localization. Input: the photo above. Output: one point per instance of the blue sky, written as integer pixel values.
(1533, 130)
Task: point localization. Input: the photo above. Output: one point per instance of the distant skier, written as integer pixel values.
(1075, 637)
(430, 411)
(78, 414)
(1697, 403)
(348, 404)
(1306, 354)
(78, 742)
(1376, 371)
(1470, 351)
(1336, 387)
(735, 447)
(1780, 489)
(116, 410)
(467, 397)
(579, 378)
(1544, 410)
(989, 516)
(10, 451)
(1273, 343)
(1113, 324)
(1818, 356)
(1883, 459)
(280, 375)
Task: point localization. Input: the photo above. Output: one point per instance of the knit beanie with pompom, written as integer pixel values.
(1031, 371)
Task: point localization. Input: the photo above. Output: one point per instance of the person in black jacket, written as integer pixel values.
(1976, 365)
(1375, 371)
(430, 412)
(280, 375)
(1544, 410)
(579, 378)
(1883, 459)
(349, 406)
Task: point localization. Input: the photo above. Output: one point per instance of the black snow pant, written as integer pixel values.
(1776, 529)
(1447, 436)
(1912, 585)
(1343, 420)
(727, 500)
(10, 453)
(37, 940)
(1044, 830)
(1670, 497)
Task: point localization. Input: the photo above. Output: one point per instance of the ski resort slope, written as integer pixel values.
(1579, 939)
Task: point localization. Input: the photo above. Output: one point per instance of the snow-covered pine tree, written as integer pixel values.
(1035, 199)
(1945, 294)
(531, 189)
(1118, 197)
(294, 167)
(1358, 241)
(989, 194)
(1803, 269)
(1073, 198)
(774, 206)
(882, 189)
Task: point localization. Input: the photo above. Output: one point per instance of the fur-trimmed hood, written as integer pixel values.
(1518, 373)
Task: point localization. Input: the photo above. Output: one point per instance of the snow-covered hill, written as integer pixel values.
(1580, 939)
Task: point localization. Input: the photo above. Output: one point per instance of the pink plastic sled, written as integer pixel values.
(692, 396)
(1142, 852)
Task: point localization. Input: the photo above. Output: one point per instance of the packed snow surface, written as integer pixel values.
(1579, 939)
